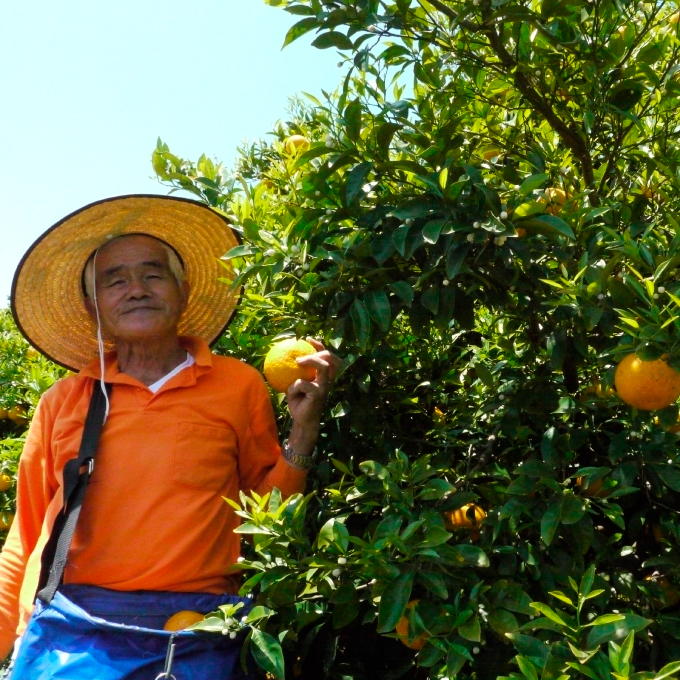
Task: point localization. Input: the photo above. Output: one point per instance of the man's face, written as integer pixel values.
(139, 298)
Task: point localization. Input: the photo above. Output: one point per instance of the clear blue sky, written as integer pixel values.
(87, 86)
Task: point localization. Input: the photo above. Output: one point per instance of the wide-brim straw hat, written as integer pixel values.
(47, 294)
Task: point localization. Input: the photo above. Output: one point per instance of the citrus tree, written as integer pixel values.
(483, 221)
(24, 375)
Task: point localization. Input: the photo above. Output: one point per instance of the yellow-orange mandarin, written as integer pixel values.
(647, 385)
(182, 620)
(402, 630)
(470, 516)
(281, 368)
(296, 144)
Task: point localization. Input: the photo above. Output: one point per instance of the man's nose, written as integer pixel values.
(137, 288)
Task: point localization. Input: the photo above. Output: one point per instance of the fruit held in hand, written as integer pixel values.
(647, 385)
(280, 367)
(182, 620)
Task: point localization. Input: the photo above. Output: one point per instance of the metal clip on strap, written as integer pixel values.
(169, 656)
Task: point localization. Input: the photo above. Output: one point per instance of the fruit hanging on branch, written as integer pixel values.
(647, 385)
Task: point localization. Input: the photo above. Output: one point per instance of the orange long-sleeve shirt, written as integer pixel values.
(153, 516)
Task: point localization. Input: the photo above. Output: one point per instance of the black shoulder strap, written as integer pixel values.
(77, 473)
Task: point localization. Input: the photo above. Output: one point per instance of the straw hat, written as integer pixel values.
(47, 295)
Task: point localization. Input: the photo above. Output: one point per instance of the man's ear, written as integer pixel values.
(185, 288)
(89, 306)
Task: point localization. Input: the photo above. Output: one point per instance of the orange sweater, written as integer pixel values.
(153, 516)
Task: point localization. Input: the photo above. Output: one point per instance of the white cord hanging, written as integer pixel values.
(100, 341)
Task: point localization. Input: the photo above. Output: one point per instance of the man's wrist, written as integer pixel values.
(302, 439)
(297, 461)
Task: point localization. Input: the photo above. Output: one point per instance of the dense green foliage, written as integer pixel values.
(24, 376)
(480, 313)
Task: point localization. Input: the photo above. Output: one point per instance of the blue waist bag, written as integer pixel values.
(91, 633)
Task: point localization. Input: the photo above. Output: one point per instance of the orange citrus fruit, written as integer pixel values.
(5, 481)
(17, 414)
(555, 198)
(296, 144)
(280, 367)
(182, 620)
(670, 594)
(6, 519)
(402, 630)
(521, 232)
(647, 385)
(470, 516)
(491, 153)
(593, 490)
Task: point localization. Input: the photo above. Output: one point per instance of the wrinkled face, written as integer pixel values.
(139, 298)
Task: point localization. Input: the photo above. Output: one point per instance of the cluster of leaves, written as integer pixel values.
(24, 376)
(481, 244)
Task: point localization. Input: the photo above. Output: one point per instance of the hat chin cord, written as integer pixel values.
(100, 341)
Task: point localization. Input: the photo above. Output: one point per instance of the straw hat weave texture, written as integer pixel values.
(47, 295)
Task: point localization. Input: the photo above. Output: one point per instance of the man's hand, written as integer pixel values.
(307, 400)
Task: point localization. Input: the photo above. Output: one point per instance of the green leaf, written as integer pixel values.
(361, 321)
(393, 602)
(471, 630)
(399, 238)
(527, 667)
(310, 154)
(573, 509)
(607, 618)
(257, 613)
(382, 247)
(550, 613)
(333, 532)
(378, 307)
(403, 290)
(587, 581)
(267, 653)
(470, 555)
(332, 39)
(353, 120)
(434, 583)
(240, 251)
(536, 650)
(551, 519)
(432, 230)
(356, 180)
(503, 622)
(299, 29)
(550, 225)
(533, 182)
(455, 257)
(561, 596)
(616, 630)
(385, 134)
(669, 669)
(527, 209)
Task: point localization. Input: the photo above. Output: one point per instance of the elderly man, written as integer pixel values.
(183, 429)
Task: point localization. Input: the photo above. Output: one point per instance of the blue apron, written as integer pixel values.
(90, 633)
